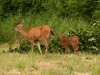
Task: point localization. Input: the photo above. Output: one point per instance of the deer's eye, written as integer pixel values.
(16, 26)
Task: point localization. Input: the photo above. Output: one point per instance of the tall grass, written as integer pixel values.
(32, 20)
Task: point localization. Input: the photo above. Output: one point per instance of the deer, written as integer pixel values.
(73, 41)
(36, 34)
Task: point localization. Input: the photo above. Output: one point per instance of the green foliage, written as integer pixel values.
(63, 8)
(24, 47)
(90, 39)
(61, 15)
(55, 45)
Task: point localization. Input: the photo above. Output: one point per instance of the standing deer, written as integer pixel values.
(73, 41)
(35, 34)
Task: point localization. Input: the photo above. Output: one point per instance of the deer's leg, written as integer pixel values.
(48, 38)
(38, 44)
(75, 47)
(32, 44)
(45, 34)
(67, 50)
(46, 45)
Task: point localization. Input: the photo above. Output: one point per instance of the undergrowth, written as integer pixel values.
(90, 41)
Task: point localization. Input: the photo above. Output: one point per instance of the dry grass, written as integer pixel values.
(50, 64)
(5, 46)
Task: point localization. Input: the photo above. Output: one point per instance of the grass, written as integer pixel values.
(51, 64)
(58, 24)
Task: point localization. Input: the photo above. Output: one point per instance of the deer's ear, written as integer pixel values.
(22, 22)
(57, 33)
(64, 33)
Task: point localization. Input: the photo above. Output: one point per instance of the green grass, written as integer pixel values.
(50, 64)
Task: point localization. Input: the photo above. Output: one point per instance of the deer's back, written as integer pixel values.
(70, 40)
(37, 33)
(65, 42)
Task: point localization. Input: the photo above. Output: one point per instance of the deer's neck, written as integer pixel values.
(24, 32)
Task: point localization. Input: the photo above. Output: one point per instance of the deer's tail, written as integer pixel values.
(51, 31)
(80, 42)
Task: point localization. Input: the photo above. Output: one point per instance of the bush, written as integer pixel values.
(64, 8)
(90, 41)
(24, 47)
(56, 46)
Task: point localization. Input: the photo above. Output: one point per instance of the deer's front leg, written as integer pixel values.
(32, 44)
(66, 49)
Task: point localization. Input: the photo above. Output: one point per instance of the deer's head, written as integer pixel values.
(19, 26)
(61, 35)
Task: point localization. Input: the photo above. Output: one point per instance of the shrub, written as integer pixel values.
(55, 45)
(24, 47)
(90, 41)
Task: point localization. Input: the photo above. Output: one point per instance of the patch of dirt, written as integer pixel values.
(47, 64)
(77, 73)
(89, 59)
(14, 72)
(3, 72)
(51, 64)
(18, 71)
(28, 70)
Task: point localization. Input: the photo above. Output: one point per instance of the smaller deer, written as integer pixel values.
(73, 41)
(35, 34)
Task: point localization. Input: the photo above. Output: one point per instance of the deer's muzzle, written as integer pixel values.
(13, 29)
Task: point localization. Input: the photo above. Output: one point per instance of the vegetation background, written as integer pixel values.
(76, 17)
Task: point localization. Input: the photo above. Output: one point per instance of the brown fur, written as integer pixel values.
(73, 41)
(35, 34)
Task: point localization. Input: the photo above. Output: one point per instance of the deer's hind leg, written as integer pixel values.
(46, 45)
(45, 38)
(75, 47)
(38, 44)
